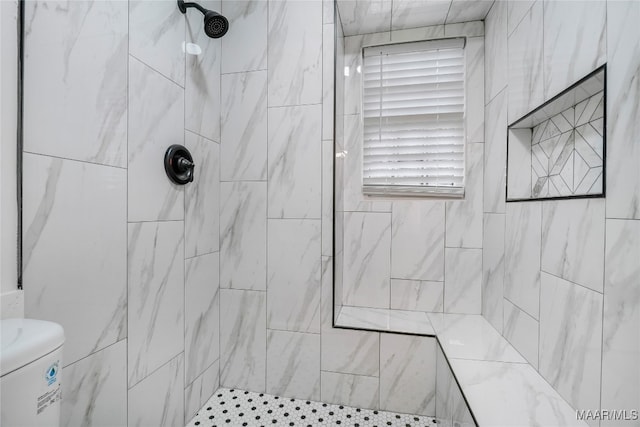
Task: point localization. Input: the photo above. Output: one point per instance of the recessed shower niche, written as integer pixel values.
(558, 150)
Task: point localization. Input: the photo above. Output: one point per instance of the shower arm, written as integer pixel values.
(183, 6)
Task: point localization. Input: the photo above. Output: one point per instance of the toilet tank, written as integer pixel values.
(30, 372)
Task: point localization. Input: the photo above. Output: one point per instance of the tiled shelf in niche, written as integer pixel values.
(558, 150)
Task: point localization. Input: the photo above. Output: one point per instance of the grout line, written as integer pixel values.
(573, 283)
(75, 160)
(157, 71)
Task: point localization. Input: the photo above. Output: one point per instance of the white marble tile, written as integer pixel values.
(244, 127)
(445, 387)
(156, 37)
(295, 52)
(75, 250)
(293, 364)
(243, 339)
(623, 106)
(493, 269)
(328, 10)
(408, 374)
(495, 62)
(511, 394)
(573, 241)
(353, 66)
(417, 295)
(353, 390)
(416, 34)
(202, 82)
(365, 16)
(495, 154)
(474, 89)
(367, 253)
(518, 160)
(351, 352)
(295, 162)
(354, 200)
(464, 336)
(621, 337)
(575, 46)
(465, 29)
(328, 78)
(385, 320)
(158, 399)
(468, 10)
(156, 121)
(326, 294)
(202, 198)
(294, 275)
(244, 47)
(156, 296)
(75, 74)
(418, 13)
(202, 314)
(571, 341)
(463, 281)
(522, 256)
(464, 217)
(200, 390)
(525, 53)
(95, 389)
(243, 235)
(417, 240)
(516, 11)
(327, 197)
(522, 332)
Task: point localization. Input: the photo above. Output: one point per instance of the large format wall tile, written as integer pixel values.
(200, 390)
(526, 85)
(573, 241)
(295, 52)
(244, 126)
(202, 198)
(202, 314)
(156, 36)
(294, 268)
(293, 364)
(493, 269)
(327, 196)
(522, 256)
(156, 296)
(417, 295)
(75, 69)
(570, 341)
(417, 240)
(407, 374)
(463, 281)
(378, 13)
(244, 47)
(464, 217)
(243, 339)
(521, 330)
(621, 339)
(367, 246)
(243, 235)
(328, 77)
(295, 162)
(354, 390)
(72, 268)
(156, 121)
(495, 64)
(158, 399)
(202, 82)
(474, 89)
(495, 154)
(572, 47)
(623, 110)
(351, 352)
(95, 389)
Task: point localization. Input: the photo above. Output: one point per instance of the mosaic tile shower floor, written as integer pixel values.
(243, 408)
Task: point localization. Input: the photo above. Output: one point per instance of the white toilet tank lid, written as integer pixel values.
(25, 340)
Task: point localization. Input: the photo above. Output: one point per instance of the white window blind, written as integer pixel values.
(413, 113)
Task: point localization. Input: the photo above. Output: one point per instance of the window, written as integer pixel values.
(413, 113)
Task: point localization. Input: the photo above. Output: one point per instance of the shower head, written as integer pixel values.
(215, 25)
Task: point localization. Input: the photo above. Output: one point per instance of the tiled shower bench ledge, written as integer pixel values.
(499, 386)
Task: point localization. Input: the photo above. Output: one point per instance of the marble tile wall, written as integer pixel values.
(560, 277)
(420, 237)
(125, 260)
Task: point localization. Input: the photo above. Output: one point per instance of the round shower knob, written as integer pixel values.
(178, 164)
